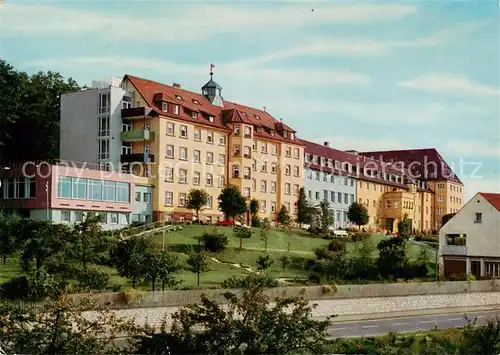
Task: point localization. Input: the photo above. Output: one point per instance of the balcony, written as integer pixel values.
(136, 135)
(137, 158)
(454, 250)
(136, 112)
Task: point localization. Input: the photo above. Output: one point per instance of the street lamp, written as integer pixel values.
(47, 199)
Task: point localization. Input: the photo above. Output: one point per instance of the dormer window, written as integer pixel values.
(292, 136)
(194, 114)
(196, 102)
(285, 134)
(257, 117)
(258, 129)
(176, 109)
(211, 118)
(271, 132)
(244, 114)
(178, 97)
(164, 107)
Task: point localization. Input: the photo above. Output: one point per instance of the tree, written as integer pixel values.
(446, 218)
(392, 256)
(88, 240)
(250, 324)
(61, 327)
(264, 231)
(231, 202)
(404, 227)
(264, 262)
(197, 200)
(283, 217)
(198, 263)
(326, 217)
(304, 213)
(160, 265)
(31, 113)
(214, 241)
(285, 261)
(9, 235)
(254, 207)
(129, 257)
(358, 214)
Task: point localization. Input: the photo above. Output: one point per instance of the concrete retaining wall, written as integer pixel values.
(176, 298)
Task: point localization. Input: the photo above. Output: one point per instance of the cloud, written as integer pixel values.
(329, 47)
(361, 144)
(180, 23)
(448, 83)
(474, 185)
(470, 148)
(264, 77)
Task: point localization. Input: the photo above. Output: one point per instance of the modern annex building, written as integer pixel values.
(181, 139)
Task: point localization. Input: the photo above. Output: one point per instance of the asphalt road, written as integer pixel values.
(407, 324)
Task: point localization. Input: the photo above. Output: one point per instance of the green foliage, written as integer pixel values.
(9, 235)
(360, 236)
(197, 200)
(264, 231)
(160, 265)
(446, 218)
(283, 217)
(30, 113)
(250, 324)
(33, 287)
(404, 227)
(91, 278)
(129, 257)
(263, 280)
(285, 261)
(392, 257)
(264, 262)
(243, 232)
(305, 212)
(88, 241)
(427, 238)
(325, 216)
(256, 221)
(337, 245)
(198, 263)
(358, 214)
(214, 242)
(231, 202)
(254, 207)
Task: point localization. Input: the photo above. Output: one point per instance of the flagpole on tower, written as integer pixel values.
(211, 70)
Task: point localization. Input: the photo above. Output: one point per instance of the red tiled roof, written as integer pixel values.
(353, 159)
(424, 157)
(492, 198)
(231, 112)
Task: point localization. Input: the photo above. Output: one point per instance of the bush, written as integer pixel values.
(242, 232)
(360, 236)
(336, 245)
(256, 222)
(132, 296)
(250, 281)
(314, 230)
(214, 242)
(92, 279)
(427, 238)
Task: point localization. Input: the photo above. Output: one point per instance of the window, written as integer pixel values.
(246, 192)
(317, 195)
(147, 197)
(169, 200)
(264, 167)
(247, 132)
(360, 185)
(263, 186)
(396, 204)
(103, 149)
(332, 178)
(222, 139)
(210, 137)
(236, 171)
(103, 126)
(169, 174)
(317, 176)
(274, 149)
(170, 129)
(325, 177)
(254, 185)
(351, 198)
(374, 203)
(170, 151)
(440, 198)
(109, 191)
(254, 165)
(222, 159)
(104, 103)
(123, 193)
(65, 216)
(176, 109)
(332, 196)
(246, 152)
(309, 194)
(236, 150)
(63, 187)
(196, 156)
(262, 205)
(126, 148)
(287, 169)
(346, 197)
(264, 148)
(197, 135)
(325, 195)
(194, 114)
(209, 202)
(339, 197)
(210, 158)
(288, 152)
(182, 176)
(374, 187)
(273, 206)
(184, 131)
(236, 130)
(220, 181)
(273, 187)
(287, 188)
(183, 153)
(273, 168)
(196, 178)
(296, 153)
(479, 218)
(296, 171)
(78, 216)
(210, 179)
(246, 172)
(182, 199)
(94, 190)
(295, 189)
(367, 185)
(80, 188)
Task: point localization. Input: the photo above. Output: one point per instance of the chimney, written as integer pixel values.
(176, 85)
(326, 144)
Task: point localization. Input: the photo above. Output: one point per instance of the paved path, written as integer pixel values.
(407, 324)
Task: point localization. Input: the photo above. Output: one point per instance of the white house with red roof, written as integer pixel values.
(469, 243)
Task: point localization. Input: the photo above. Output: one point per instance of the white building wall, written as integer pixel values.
(483, 239)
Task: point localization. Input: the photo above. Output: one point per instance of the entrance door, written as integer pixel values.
(475, 269)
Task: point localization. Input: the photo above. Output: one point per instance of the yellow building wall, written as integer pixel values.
(371, 195)
(294, 182)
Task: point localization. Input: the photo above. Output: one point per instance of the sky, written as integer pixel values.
(361, 75)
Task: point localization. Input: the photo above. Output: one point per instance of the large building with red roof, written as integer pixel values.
(469, 243)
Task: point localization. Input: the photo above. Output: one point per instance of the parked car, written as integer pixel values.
(225, 223)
